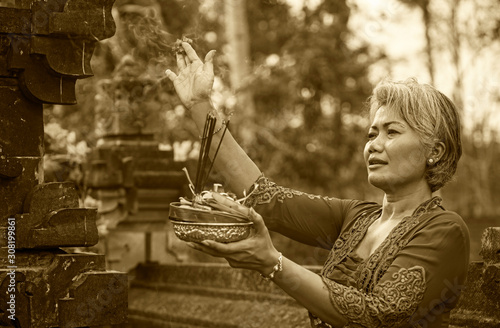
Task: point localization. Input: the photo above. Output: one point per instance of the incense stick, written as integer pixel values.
(216, 152)
(206, 157)
(206, 141)
(200, 156)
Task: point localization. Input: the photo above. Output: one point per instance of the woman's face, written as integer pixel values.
(394, 155)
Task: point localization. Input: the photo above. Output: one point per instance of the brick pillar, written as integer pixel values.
(45, 47)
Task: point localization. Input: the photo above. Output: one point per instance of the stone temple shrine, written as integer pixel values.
(45, 47)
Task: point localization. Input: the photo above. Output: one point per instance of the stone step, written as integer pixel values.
(209, 295)
(150, 308)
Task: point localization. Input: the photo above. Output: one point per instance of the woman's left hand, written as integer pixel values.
(256, 252)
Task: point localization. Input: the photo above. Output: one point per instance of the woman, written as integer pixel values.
(399, 264)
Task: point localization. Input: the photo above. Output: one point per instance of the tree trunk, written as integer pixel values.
(455, 52)
(428, 48)
(238, 40)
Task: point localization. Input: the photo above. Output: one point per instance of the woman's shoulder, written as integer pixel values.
(357, 211)
(444, 216)
(362, 204)
(449, 221)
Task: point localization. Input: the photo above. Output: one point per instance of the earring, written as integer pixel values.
(430, 161)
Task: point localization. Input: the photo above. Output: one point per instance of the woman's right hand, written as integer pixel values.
(194, 80)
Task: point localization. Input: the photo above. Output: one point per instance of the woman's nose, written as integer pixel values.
(376, 145)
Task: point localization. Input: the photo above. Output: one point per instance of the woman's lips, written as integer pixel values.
(375, 162)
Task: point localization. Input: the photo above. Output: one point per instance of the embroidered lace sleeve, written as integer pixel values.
(310, 219)
(391, 303)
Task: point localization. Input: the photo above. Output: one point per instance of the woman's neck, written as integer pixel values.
(397, 206)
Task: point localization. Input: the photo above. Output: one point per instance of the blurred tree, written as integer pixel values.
(310, 92)
(308, 84)
(427, 20)
(475, 41)
(464, 36)
(238, 56)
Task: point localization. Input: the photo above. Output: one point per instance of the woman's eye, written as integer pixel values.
(371, 136)
(392, 132)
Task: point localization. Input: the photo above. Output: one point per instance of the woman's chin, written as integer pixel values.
(381, 183)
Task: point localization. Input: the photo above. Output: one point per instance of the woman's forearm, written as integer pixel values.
(309, 290)
(239, 172)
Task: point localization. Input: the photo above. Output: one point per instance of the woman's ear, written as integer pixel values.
(438, 151)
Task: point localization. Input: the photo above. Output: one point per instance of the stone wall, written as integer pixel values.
(479, 304)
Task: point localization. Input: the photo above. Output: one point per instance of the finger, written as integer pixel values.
(190, 52)
(208, 66)
(171, 75)
(181, 63)
(257, 220)
(188, 61)
(220, 248)
(205, 249)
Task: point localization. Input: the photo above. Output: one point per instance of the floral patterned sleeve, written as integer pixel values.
(310, 219)
(412, 280)
(391, 303)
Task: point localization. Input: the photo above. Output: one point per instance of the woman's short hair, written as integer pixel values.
(432, 115)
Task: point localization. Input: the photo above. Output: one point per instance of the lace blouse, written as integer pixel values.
(413, 279)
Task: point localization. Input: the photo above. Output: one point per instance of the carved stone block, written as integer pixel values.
(55, 289)
(490, 245)
(95, 299)
(48, 197)
(21, 123)
(45, 47)
(13, 191)
(71, 227)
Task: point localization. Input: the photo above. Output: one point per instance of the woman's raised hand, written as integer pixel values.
(194, 80)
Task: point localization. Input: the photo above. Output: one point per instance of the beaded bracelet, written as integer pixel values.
(277, 268)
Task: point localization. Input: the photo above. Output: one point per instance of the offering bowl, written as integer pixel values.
(195, 225)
